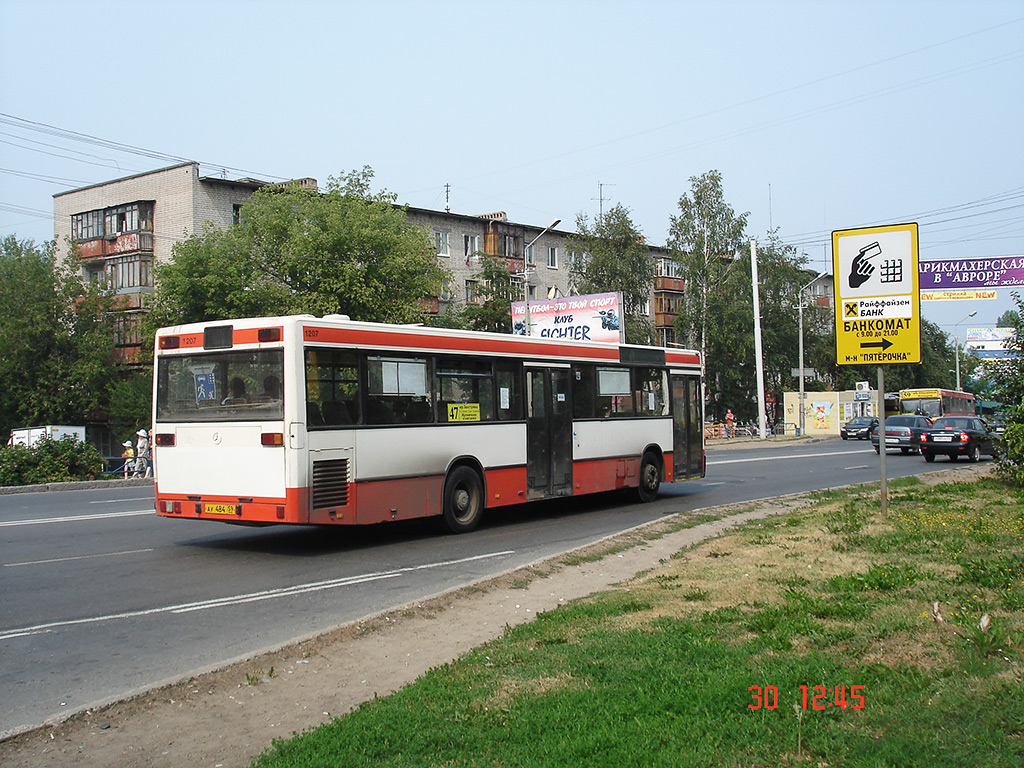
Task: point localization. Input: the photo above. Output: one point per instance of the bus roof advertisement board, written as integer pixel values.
(594, 317)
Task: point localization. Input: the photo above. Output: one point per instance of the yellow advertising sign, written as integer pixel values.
(971, 294)
(877, 301)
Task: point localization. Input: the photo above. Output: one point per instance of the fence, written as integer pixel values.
(715, 431)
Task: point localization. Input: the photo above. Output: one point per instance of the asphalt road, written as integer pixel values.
(102, 598)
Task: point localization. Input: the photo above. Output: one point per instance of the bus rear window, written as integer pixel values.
(224, 386)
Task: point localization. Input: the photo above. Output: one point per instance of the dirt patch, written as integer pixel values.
(225, 718)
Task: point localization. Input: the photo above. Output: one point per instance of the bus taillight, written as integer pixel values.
(172, 507)
(165, 439)
(272, 438)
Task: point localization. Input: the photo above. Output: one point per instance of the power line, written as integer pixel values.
(69, 135)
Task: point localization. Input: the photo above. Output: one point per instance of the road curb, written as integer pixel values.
(75, 485)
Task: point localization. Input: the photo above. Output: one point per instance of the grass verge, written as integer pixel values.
(716, 657)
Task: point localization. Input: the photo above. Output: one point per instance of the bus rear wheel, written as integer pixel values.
(463, 500)
(650, 478)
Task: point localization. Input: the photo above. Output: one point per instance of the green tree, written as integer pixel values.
(1008, 372)
(1007, 320)
(344, 251)
(611, 256)
(496, 290)
(704, 238)
(57, 357)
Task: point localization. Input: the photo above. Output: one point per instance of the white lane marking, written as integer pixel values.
(220, 602)
(79, 557)
(779, 458)
(859, 466)
(76, 518)
(118, 501)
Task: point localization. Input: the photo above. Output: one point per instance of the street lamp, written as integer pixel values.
(800, 307)
(526, 272)
(956, 340)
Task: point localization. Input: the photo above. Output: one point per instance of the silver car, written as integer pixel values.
(903, 432)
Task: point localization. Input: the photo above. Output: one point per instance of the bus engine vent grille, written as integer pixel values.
(330, 483)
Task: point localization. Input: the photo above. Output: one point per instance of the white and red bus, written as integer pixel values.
(329, 421)
(937, 402)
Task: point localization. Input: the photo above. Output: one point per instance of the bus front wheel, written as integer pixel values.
(650, 478)
(463, 500)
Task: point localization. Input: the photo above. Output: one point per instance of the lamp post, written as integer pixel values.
(526, 272)
(956, 340)
(800, 307)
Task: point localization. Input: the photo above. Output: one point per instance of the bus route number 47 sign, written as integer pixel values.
(877, 302)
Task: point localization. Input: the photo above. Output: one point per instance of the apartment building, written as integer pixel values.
(125, 226)
(122, 227)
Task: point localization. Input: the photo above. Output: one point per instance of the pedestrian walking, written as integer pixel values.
(142, 468)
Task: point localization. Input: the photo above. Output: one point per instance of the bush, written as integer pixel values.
(49, 461)
(1011, 463)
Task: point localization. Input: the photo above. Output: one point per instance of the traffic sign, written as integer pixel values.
(877, 301)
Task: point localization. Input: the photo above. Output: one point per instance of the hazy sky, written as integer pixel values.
(819, 115)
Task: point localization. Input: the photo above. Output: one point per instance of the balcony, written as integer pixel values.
(669, 284)
(664, 319)
(126, 242)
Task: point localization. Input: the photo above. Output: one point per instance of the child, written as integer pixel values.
(127, 454)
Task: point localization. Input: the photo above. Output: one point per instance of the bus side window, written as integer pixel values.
(510, 390)
(468, 383)
(332, 387)
(584, 401)
(651, 391)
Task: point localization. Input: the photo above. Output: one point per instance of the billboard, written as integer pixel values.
(972, 273)
(595, 317)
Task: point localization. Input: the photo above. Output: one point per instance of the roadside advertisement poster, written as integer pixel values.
(972, 273)
(972, 294)
(595, 317)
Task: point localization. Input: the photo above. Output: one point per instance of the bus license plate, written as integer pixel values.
(220, 509)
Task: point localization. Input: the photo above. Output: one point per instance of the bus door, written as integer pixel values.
(687, 426)
(548, 432)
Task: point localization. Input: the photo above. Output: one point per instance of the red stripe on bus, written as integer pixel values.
(423, 341)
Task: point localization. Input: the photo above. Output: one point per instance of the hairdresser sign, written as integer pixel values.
(596, 317)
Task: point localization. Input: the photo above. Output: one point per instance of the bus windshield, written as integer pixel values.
(923, 406)
(221, 386)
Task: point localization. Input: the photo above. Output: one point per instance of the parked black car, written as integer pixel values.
(903, 432)
(955, 436)
(858, 428)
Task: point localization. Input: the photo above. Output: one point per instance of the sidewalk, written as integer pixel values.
(77, 485)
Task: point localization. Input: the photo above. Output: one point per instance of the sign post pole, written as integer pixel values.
(881, 442)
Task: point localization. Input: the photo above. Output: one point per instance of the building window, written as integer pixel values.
(441, 243)
(129, 271)
(128, 329)
(508, 246)
(470, 246)
(529, 254)
(669, 268)
(472, 292)
(87, 226)
(553, 256)
(447, 290)
(111, 222)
